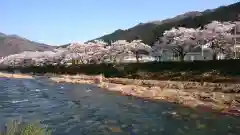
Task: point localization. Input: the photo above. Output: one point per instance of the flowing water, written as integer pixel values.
(69, 109)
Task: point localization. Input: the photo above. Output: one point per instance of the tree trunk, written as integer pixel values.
(114, 59)
(214, 56)
(81, 60)
(137, 57)
(182, 57)
(73, 62)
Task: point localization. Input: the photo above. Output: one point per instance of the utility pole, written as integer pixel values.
(235, 42)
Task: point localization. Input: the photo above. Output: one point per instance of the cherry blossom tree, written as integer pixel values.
(29, 58)
(138, 48)
(92, 52)
(219, 37)
(157, 52)
(118, 50)
(179, 40)
(76, 51)
(121, 49)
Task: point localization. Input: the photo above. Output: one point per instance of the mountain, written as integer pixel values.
(2, 34)
(63, 46)
(11, 44)
(150, 31)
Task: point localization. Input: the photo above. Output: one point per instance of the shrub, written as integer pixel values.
(18, 128)
(193, 71)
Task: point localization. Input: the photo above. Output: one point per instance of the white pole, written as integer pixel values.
(235, 41)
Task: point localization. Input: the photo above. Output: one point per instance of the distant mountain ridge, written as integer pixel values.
(178, 17)
(12, 44)
(150, 31)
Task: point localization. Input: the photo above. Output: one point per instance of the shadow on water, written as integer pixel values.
(70, 109)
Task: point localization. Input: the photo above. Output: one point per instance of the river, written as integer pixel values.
(69, 109)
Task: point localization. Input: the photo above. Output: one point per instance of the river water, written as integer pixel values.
(69, 109)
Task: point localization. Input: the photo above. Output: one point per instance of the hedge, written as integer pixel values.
(132, 70)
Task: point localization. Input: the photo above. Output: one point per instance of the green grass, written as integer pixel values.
(17, 128)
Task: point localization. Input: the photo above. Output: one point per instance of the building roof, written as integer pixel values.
(196, 49)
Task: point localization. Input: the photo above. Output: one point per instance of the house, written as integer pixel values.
(197, 53)
(166, 53)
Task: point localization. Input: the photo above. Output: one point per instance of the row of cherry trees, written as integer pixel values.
(216, 36)
(93, 52)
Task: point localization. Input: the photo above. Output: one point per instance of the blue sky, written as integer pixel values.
(58, 22)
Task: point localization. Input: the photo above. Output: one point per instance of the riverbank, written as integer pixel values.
(16, 75)
(223, 97)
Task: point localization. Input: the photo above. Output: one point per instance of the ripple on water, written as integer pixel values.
(36, 90)
(19, 101)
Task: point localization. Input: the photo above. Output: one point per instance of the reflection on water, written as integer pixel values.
(70, 109)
